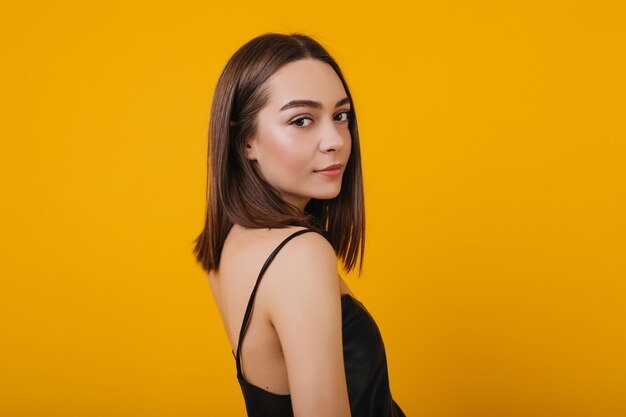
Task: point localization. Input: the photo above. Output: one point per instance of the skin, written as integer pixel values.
(293, 343)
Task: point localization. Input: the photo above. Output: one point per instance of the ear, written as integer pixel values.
(251, 148)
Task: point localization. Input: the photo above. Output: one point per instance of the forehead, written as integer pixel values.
(308, 79)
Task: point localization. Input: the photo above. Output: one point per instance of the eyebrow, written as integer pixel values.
(311, 103)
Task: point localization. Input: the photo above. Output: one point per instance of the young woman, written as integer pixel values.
(285, 199)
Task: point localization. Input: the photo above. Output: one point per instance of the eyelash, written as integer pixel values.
(293, 122)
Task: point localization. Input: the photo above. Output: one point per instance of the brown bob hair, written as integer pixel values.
(236, 190)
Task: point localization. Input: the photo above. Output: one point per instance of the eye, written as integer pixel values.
(299, 122)
(347, 113)
(296, 122)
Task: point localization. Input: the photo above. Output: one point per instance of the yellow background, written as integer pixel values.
(493, 144)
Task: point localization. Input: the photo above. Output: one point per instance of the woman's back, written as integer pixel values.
(305, 271)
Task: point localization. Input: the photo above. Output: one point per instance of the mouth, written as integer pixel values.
(331, 168)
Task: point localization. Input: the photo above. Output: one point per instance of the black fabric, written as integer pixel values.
(364, 360)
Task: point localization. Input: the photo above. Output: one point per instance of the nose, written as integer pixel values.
(334, 137)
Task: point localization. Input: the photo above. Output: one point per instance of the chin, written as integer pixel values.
(327, 195)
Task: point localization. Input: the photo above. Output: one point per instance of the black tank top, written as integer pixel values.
(364, 355)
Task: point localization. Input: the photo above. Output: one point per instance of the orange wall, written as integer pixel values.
(494, 158)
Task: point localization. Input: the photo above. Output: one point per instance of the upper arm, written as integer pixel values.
(305, 310)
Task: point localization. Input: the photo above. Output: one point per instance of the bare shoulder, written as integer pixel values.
(304, 306)
(305, 265)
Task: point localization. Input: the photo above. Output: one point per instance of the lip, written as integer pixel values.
(331, 170)
(333, 167)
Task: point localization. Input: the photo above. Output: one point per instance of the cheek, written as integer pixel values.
(348, 143)
(286, 151)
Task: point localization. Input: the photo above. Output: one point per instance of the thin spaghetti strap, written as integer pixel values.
(246, 316)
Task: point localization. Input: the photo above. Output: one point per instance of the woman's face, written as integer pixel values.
(303, 129)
